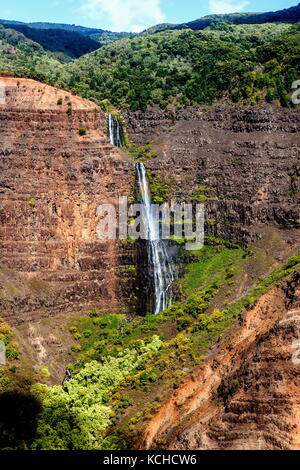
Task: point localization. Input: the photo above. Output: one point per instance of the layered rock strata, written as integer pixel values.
(57, 166)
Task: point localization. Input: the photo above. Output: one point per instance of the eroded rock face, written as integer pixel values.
(51, 183)
(244, 161)
(247, 396)
(244, 164)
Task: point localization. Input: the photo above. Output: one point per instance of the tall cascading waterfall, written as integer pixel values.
(162, 270)
(115, 131)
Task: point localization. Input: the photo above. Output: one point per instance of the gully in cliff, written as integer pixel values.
(115, 131)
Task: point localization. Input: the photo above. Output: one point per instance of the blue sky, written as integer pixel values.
(128, 15)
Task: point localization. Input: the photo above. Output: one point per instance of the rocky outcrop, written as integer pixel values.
(57, 166)
(247, 395)
(243, 163)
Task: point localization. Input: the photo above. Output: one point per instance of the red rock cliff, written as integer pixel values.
(242, 162)
(52, 180)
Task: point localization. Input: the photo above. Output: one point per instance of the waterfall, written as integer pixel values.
(160, 265)
(115, 131)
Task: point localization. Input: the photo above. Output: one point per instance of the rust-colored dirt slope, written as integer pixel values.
(247, 396)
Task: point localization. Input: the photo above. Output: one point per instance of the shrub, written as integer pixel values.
(44, 373)
(12, 353)
(32, 203)
(4, 328)
(87, 333)
(82, 131)
(94, 313)
(5, 381)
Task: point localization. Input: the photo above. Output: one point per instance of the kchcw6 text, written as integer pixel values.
(157, 459)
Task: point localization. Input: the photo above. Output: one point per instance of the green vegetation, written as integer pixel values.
(203, 194)
(213, 264)
(55, 35)
(107, 37)
(64, 45)
(75, 416)
(141, 153)
(22, 57)
(12, 354)
(289, 15)
(188, 67)
(246, 63)
(122, 369)
(82, 131)
(32, 202)
(123, 366)
(262, 287)
(159, 187)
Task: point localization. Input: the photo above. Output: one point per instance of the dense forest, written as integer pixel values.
(243, 64)
(46, 30)
(63, 43)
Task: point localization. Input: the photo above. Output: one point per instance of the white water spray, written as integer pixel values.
(160, 264)
(115, 131)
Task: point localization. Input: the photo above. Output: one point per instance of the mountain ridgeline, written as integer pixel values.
(59, 41)
(58, 37)
(216, 58)
(289, 15)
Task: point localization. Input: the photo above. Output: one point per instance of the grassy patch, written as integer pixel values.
(213, 264)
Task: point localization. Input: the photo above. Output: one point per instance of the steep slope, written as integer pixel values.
(246, 396)
(52, 180)
(247, 64)
(66, 43)
(99, 35)
(23, 57)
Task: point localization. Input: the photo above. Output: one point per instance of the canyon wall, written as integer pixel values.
(57, 166)
(243, 163)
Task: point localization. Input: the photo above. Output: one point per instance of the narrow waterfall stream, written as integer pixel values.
(162, 271)
(115, 131)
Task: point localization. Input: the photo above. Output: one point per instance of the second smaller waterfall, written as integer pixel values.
(115, 131)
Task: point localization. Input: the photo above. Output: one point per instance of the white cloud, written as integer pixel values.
(125, 15)
(227, 6)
